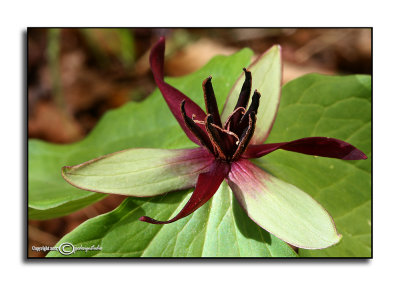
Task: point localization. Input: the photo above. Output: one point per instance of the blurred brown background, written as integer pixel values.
(76, 75)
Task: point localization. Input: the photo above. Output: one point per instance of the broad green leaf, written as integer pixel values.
(148, 124)
(331, 106)
(72, 206)
(266, 74)
(140, 172)
(281, 208)
(219, 228)
(318, 107)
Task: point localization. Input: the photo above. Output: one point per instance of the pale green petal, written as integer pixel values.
(281, 208)
(140, 172)
(267, 77)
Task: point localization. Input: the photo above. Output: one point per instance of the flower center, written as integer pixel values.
(229, 141)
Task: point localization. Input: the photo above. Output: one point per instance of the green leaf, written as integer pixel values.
(219, 228)
(140, 172)
(281, 208)
(49, 196)
(69, 207)
(148, 124)
(331, 106)
(266, 74)
(312, 106)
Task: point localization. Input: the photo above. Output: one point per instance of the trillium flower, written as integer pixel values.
(226, 143)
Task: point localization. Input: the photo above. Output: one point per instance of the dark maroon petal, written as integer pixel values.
(317, 146)
(211, 102)
(172, 96)
(207, 184)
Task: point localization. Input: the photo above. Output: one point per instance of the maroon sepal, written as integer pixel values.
(207, 184)
(172, 96)
(317, 146)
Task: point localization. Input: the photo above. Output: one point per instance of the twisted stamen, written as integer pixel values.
(246, 136)
(226, 131)
(215, 137)
(255, 102)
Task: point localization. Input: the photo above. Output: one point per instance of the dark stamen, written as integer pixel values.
(211, 102)
(255, 102)
(242, 102)
(229, 142)
(227, 133)
(216, 137)
(239, 112)
(196, 130)
(244, 95)
(246, 136)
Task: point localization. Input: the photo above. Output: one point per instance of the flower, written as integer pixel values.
(223, 154)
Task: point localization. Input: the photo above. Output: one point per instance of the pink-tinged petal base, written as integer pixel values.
(172, 96)
(317, 146)
(281, 208)
(207, 184)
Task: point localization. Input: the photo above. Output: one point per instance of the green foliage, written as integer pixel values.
(311, 106)
(331, 106)
(147, 124)
(219, 228)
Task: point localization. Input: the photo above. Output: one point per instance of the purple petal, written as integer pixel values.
(317, 146)
(207, 184)
(172, 96)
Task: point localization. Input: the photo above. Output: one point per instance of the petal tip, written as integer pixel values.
(161, 40)
(153, 221)
(338, 237)
(356, 155)
(64, 171)
(146, 219)
(276, 48)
